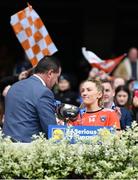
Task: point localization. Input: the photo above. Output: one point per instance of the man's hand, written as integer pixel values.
(59, 121)
(23, 75)
(5, 91)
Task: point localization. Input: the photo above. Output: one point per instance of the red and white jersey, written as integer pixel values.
(103, 117)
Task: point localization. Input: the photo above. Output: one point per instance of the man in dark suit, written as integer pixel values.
(29, 104)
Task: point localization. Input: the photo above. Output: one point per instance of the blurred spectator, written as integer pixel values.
(122, 96)
(130, 84)
(64, 90)
(135, 101)
(95, 73)
(118, 81)
(135, 107)
(5, 84)
(122, 100)
(108, 97)
(21, 66)
(9, 80)
(128, 68)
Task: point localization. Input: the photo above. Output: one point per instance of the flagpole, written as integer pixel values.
(30, 7)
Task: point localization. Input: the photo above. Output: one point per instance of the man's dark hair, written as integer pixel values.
(46, 64)
(108, 81)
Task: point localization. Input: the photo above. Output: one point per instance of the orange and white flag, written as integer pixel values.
(32, 34)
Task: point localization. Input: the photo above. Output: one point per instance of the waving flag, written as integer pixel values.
(32, 34)
(90, 56)
(107, 65)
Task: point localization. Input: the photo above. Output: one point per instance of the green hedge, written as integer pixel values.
(105, 157)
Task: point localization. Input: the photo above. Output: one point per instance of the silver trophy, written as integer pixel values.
(67, 112)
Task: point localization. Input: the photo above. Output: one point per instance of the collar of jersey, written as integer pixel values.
(94, 111)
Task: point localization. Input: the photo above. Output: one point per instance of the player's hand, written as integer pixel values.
(59, 121)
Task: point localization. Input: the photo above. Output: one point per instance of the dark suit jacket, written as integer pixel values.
(29, 109)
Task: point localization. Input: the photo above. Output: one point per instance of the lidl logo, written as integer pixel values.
(58, 134)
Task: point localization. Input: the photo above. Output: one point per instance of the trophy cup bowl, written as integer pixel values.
(67, 112)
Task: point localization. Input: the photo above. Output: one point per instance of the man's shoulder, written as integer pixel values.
(26, 85)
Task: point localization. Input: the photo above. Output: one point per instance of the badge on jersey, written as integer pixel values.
(103, 118)
(92, 118)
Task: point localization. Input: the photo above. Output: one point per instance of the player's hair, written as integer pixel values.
(99, 88)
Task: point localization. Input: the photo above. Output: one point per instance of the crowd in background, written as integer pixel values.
(120, 90)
